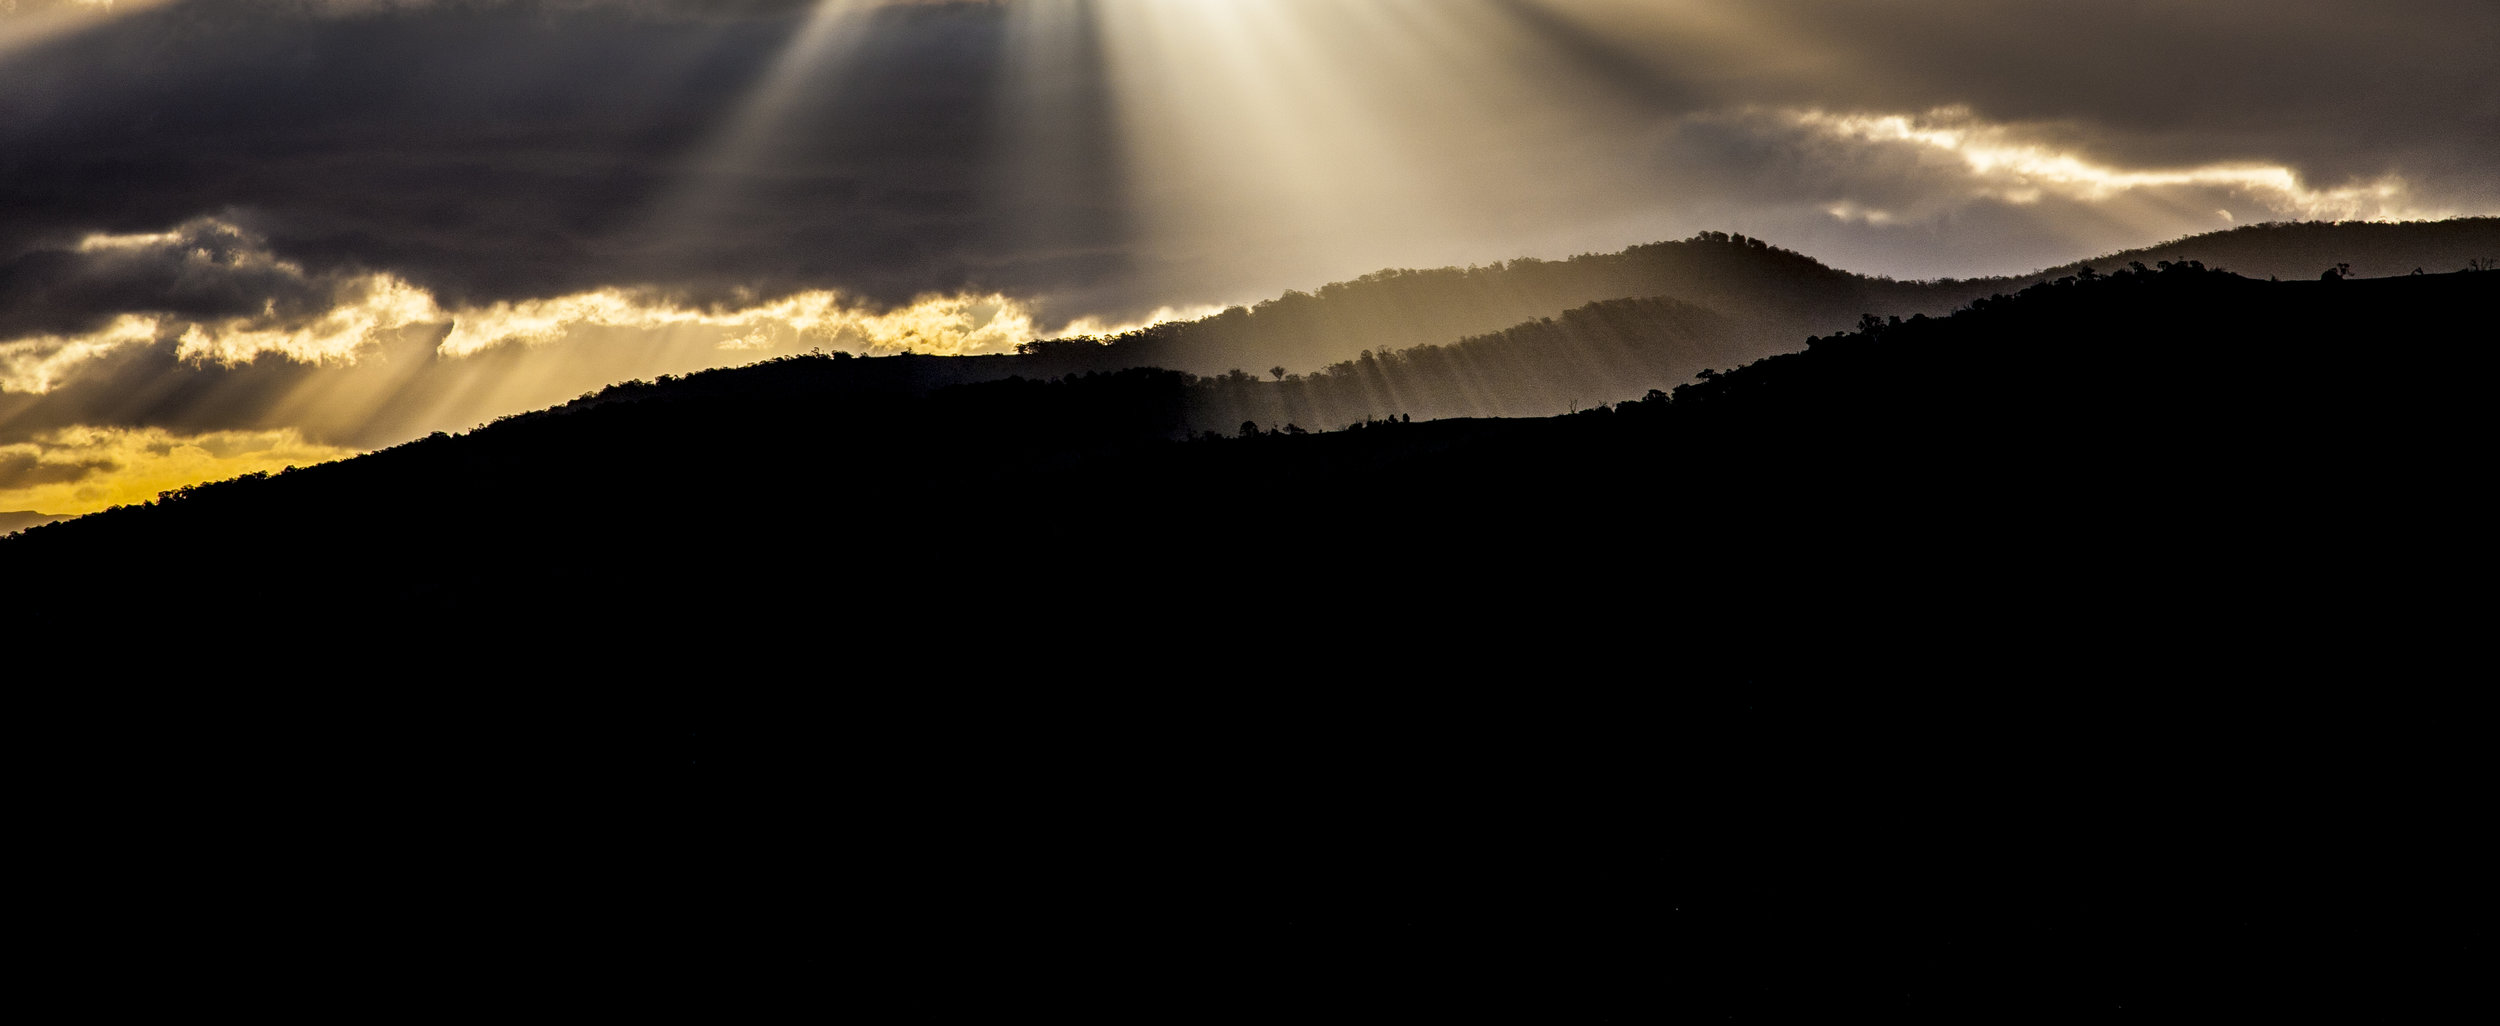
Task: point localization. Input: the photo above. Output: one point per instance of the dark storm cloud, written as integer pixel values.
(203, 270)
(505, 149)
(502, 151)
(2375, 110)
(2336, 89)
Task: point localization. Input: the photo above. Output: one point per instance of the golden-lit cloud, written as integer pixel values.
(1095, 326)
(373, 304)
(225, 295)
(307, 364)
(102, 242)
(37, 363)
(84, 469)
(330, 318)
(494, 361)
(962, 324)
(2008, 163)
(948, 325)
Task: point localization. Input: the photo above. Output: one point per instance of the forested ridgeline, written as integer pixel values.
(2115, 406)
(1587, 357)
(1979, 666)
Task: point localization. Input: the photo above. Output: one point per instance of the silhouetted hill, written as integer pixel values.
(1984, 666)
(791, 463)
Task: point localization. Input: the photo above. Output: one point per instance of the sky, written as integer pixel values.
(237, 235)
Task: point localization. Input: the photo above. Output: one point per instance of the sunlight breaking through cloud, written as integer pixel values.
(956, 325)
(37, 364)
(1280, 140)
(964, 324)
(374, 304)
(276, 307)
(1090, 326)
(83, 469)
(2006, 165)
(225, 296)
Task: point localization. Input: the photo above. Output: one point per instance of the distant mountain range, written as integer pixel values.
(1538, 338)
(1764, 290)
(17, 520)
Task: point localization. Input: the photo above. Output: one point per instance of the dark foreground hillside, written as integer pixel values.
(813, 488)
(2011, 666)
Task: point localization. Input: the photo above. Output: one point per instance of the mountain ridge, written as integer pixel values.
(1761, 300)
(1766, 300)
(1058, 456)
(1977, 578)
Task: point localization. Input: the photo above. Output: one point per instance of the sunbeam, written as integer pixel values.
(741, 149)
(1301, 134)
(25, 24)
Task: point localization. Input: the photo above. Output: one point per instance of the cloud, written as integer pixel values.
(231, 341)
(1953, 152)
(2333, 91)
(1096, 327)
(367, 219)
(230, 298)
(1861, 187)
(26, 466)
(227, 298)
(368, 306)
(204, 271)
(81, 470)
(518, 152)
(488, 153)
(37, 363)
(945, 325)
